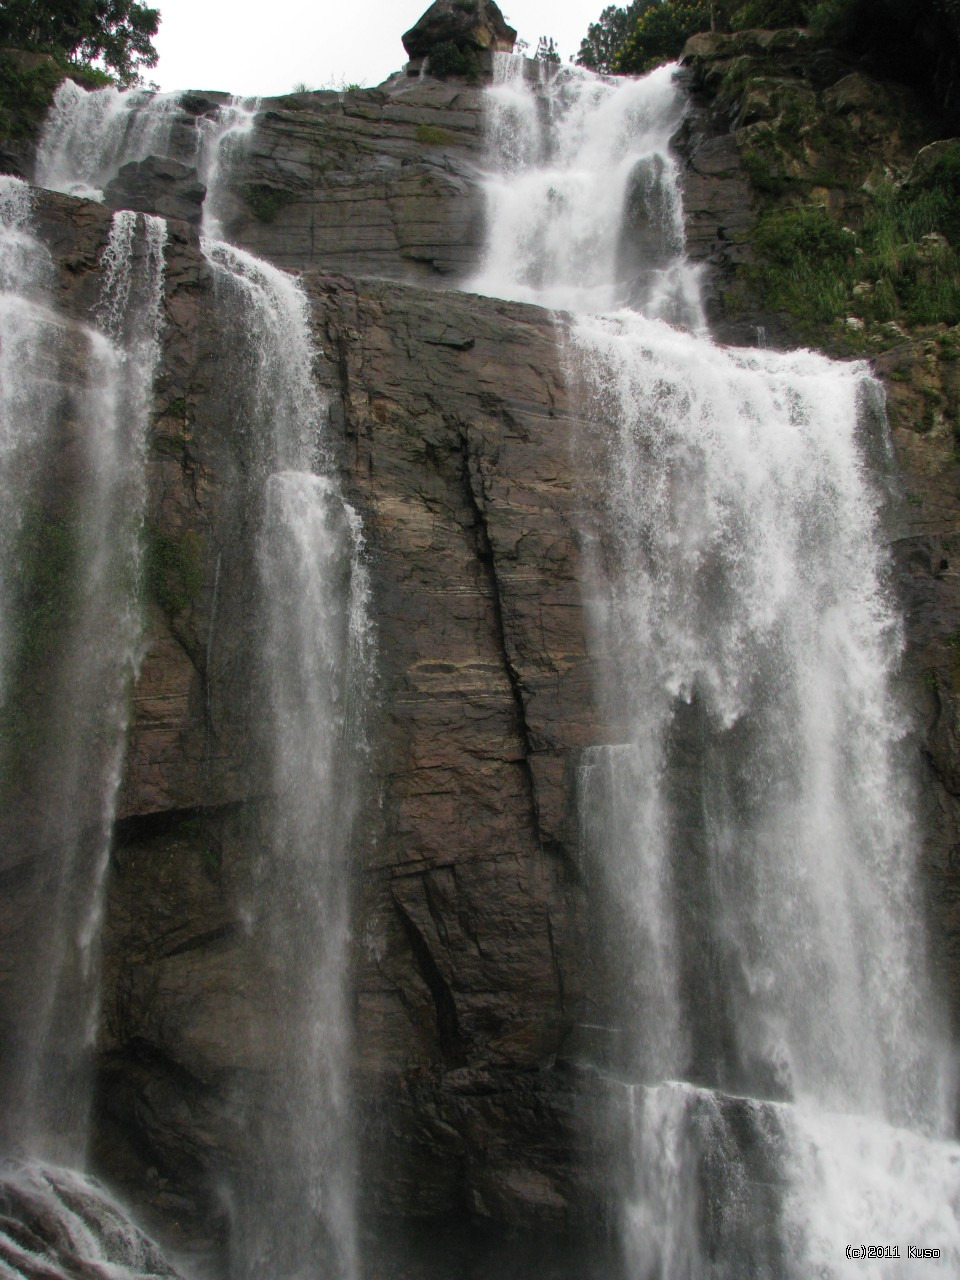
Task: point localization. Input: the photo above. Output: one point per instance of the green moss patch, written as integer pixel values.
(173, 569)
(432, 135)
(266, 202)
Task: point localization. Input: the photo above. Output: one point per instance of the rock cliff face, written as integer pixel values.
(474, 1000)
(374, 182)
(479, 999)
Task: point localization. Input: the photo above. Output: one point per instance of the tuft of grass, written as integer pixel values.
(432, 135)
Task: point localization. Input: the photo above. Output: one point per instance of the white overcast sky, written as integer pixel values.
(256, 47)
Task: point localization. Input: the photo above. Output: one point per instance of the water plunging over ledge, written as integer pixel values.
(750, 835)
(291, 1206)
(89, 136)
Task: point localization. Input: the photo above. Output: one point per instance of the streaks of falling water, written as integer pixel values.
(294, 1202)
(89, 136)
(752, 832)
(74, 413)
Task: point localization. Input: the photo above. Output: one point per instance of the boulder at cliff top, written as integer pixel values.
(476, 24)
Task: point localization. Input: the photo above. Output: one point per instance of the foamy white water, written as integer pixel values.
(580, 163)
(75, 403)
(90, 135)
(222, 139)
(752, 830)
(295, 1203)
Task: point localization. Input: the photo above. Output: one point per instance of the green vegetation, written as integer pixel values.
(916, 41)
(173, 569)
(547, 50)
(901, 264)
(661, 32)
(451, 59)
(266, 202)
(432, 135)
(114, 34)
(26, 93)
(606, 36)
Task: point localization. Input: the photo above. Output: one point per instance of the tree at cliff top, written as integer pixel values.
(605, 37)
(114, 33)
(662, 28)
(913, 40)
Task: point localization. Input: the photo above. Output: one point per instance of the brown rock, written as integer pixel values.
(477, 24)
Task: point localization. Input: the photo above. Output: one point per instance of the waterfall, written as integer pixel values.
(221, 138)
(293, 1206)
(749, 831)
(89, 136)
(74, 406)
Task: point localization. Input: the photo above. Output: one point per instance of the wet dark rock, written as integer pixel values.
(371, 182)
(56, 1224)
(476, 24)
(158, 185)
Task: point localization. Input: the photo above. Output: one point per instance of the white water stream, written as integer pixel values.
(292, 1204)
(88, 137)
(74, 404)
(752, 830)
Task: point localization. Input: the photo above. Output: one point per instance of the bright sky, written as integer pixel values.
(252, 47)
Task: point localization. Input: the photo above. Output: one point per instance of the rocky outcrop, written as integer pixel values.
(58, 1225)
(452, 29)
(778, 121)
(158, 185)
(374, 182)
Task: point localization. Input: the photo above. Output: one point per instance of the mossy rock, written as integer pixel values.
(266, 202)
(173, 569)
(432, 135)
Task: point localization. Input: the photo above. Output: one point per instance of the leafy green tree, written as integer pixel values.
(115, 33)
(547, 50)
(661, 32)
(606, 36)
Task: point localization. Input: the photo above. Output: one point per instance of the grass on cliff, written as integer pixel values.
(901, 264)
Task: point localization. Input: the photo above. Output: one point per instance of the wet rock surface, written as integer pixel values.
(477, 23)
(158, 185)
(58, 1225)
(371, 182)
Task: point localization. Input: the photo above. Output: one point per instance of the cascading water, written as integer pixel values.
(221, 138)
(752, 830)
(293, 1207)
(73, 416)
(88, 137)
